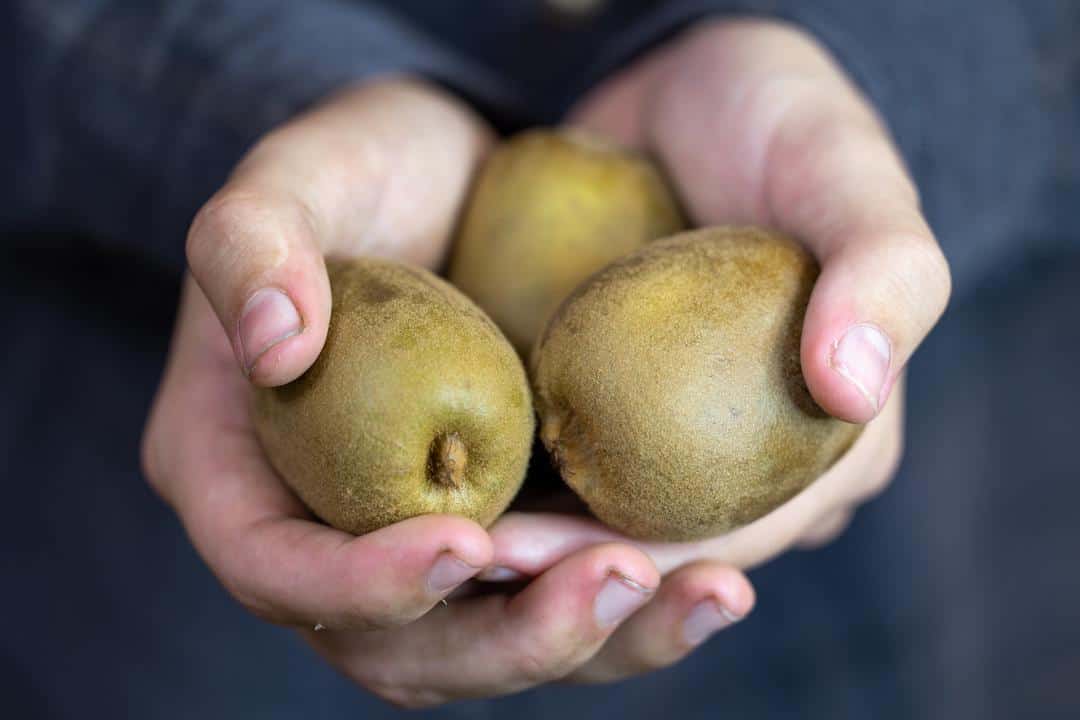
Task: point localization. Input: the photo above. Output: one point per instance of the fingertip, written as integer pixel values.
(284, 359)
(530, 543)
(622, 579)
(715, 597)
(835, 389)
(393, 575)
(847, 361)
(693, 603)
(874, 302)
(473, 546)
(282, 328)
(738, 594)
(723, 584)
(436, 534)
(593, 564)
(630, 563)
(595, 588)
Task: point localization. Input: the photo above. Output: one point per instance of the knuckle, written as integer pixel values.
(534, 666)
(927, 270)
(251, 601)
(405, 698)
(890, 464)
(151, 463)
(917, 286)
(829, 149)
(878, 483)
(384, 681)
(544, 661)
(893, 455)
(367, 608)
(220, 227)
(829, 528)
(647, 662)
(253, 606)
(936, 279)
(881, 475)
(148, 458)
(819, 161)
(369, 620)
(211, 222)
(243, 234)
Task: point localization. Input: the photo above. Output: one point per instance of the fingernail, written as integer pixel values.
(448, 572)
(707, 617)
(618, 598)
(499, 574)
(268, 318)
(862, 358)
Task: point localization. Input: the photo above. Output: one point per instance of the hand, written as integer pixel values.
(381, 169)
(756, 124)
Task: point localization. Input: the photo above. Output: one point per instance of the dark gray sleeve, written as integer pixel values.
(127, 115)
(958, 84)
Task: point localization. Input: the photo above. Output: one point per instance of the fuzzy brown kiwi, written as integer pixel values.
(670, 389)
(417, 404)
(549, 208)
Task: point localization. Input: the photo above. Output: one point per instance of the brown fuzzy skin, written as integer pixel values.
(670, 389)
(550, 208)
(417, 404)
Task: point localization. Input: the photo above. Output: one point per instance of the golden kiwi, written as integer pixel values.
(670, 390)
(417, 404)
(550, 208)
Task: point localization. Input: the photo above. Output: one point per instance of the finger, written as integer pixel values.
(296, 572)
(377, 170)
(257, 256)
(527, 544)
(827, 529)
(794, 145)
(884, 281)
(257, 537)
(692, 604)
(499, 644)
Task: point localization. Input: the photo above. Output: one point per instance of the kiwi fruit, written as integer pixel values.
(670, 389)
(417, 404)
(549, 208)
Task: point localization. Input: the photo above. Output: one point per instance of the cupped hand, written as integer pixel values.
(756, 124)
(381, 169)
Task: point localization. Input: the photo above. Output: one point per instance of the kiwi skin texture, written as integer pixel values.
(549, 208)
(417, 404)
(670, 390)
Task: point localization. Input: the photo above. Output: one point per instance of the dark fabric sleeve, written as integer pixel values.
(127, 115)
(959, 85)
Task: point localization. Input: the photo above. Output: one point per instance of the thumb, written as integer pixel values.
(379, 170)
(798, 147)
(835, 181)
(257, 256)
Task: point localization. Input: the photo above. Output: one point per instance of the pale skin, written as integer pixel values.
(755, 124)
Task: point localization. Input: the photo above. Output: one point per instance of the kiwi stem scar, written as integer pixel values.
(447, 460)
